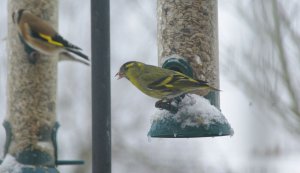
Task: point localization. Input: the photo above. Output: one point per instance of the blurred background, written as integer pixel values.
(260, 77)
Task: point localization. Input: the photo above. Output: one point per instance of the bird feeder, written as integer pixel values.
(188, 43)
(30, 123)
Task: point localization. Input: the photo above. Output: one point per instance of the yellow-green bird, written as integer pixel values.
(160, 83)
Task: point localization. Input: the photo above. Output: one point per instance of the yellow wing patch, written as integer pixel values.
(169, 86)
(166, 81)
(49, 39)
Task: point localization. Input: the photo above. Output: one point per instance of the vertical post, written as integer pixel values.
(189, 29)
(101, 122)
(31, 92)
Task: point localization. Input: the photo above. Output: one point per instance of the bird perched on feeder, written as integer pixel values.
(42, 37)
(160, 83)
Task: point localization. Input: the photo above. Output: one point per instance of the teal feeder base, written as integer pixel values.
(36, 158)
(196, 117)
(169, 128)
(39, 170)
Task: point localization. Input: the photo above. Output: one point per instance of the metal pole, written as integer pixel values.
(101, 122)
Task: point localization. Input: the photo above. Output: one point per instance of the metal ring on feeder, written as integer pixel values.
(177, 63)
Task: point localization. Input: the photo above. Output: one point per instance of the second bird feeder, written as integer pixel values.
(188, 43)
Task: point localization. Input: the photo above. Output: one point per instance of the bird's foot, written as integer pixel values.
(33, 57)
(167, 105)
(178, 99)
(171, 105)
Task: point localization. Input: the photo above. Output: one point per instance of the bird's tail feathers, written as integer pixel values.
(213, 88)
(206, 85)
(65, 56)
(78, 53)
(72, 46)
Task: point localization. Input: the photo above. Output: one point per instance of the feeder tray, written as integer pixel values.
(39, 170)
(170, 127)
(195, 117)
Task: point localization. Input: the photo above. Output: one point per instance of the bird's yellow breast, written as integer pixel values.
(142, 86)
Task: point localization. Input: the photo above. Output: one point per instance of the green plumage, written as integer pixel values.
(160, 83)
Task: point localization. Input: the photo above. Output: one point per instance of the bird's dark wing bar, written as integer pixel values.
(187, 80)
(175, 81)
(167, 81)
(66, 44)
(47, 38)
(37, 36)
(160, 83)
(56, 40)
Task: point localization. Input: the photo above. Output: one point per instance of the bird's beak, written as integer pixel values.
(121, 75)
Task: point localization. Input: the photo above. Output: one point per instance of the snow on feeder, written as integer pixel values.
(196, 117)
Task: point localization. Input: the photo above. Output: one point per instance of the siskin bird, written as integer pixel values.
(160, 83)
(42, 37)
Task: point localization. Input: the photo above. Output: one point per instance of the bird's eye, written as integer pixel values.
(124, 68)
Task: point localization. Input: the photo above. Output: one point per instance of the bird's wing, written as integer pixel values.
(47, 38)
(162, 83)
(149, 74)
(43, 31)
(56, 40)
(176, 81)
